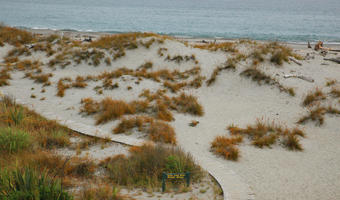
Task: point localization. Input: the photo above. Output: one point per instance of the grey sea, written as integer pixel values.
(283, 20)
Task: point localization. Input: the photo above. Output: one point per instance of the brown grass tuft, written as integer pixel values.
(317, 114)
(40, 78)
(224, 46)
(174, 87)
(313, 97)
(188, 104)
(79, 83)
(157, 131)
(230, 64)
(262, 78)
(15, 36)
(113, 109)
(4, 77)
(335, 92)
(265, 135)
(226, 147)
(62, 87)
(162, 132)
(162, 111)
(105, 192)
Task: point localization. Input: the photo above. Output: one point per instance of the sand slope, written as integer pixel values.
(264, 174)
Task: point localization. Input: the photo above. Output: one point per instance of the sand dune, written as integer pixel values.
(267, 173)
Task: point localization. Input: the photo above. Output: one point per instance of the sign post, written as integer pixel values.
(175, 176)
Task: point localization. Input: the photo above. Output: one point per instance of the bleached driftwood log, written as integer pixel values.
(300, 77)
(336, 60)
(294, 60)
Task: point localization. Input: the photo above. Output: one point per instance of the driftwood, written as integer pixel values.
(308, 45)
(300, 77)
(55, 41)
(336, 60)
(335, 50)
(294, 60)
(29, 46)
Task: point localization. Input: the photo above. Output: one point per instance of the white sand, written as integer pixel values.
(268, 173)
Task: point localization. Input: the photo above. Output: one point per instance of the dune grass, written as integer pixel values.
(25, 141)
(40, 78)
(15, 36)
(261, 78)
(320, 104)
(107, 109)
(317, 114)
(313, 97)
(30, 184)
(261, 135)
(187, 104)
(223, 46)
(230, 64)
(226, 147)
(265, 135)
(104, 192)
(4, 77)
(145, 164)
(274, 51)
(335, 92)
(13, 140)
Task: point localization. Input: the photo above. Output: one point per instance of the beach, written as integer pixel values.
(232, 99)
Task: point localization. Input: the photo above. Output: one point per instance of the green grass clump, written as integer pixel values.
(16, 115)
(12, 140)
(28, 184)
(145, 164)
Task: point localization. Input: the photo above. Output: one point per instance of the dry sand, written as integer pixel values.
(263, 174)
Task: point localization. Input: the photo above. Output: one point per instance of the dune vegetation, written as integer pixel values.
(29, 159)
(261, 135)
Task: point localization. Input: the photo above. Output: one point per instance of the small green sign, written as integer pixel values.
(175, 176)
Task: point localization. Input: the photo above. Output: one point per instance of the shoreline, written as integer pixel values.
(191, 39)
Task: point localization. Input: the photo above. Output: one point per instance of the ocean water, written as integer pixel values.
(283, 20)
